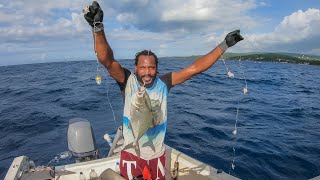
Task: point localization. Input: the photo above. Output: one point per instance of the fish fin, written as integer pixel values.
(150, 144)
(148, 102)
(129, 125)
(156, 113)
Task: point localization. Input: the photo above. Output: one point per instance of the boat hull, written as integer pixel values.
(189, 168)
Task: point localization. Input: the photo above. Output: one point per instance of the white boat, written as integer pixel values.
(178, 165)
(189, 169)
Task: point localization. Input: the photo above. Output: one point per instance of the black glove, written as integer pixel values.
(94, 16)
(231, 39)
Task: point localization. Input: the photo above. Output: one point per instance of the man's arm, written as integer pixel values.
(206, 61)
(105, 56)
(94, 16)
(198, 66)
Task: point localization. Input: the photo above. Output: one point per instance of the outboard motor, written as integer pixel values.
(81, 140)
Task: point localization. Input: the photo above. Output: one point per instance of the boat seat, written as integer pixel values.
(38, 175)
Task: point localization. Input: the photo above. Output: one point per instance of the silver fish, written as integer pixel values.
(142, 117)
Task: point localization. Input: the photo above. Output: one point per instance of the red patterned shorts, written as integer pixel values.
(132, 166)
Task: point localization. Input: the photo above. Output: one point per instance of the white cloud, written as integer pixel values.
(63, 19)
(126, 17)
(187, 15)
(7, 18)
(297, 32)
(170, 27)
(304, 23)
(79, 23)
(209, 10)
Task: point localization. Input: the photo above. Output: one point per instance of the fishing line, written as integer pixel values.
(98, 72)
(229, 72)
(109, 101)
(235, 130)
(245, 89)
(98, 79)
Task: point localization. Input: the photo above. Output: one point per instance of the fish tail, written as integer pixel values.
(150, 144)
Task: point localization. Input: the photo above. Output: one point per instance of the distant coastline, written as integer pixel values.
(266, 57)
(269, 57)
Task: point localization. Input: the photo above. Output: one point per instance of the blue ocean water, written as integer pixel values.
(278, 120)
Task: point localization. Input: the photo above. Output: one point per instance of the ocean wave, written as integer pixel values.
(277, 122)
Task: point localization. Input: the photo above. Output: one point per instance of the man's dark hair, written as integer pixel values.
(146, 53)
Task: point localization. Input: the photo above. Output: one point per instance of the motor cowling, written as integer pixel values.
(81, 140)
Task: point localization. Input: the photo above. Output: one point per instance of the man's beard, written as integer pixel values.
(142, 83)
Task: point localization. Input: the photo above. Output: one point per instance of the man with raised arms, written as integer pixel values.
(151, 156)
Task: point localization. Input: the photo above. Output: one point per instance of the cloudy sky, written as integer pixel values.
(34, 31)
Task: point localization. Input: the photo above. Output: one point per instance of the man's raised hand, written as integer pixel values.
(94, 16)
(231, 39)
